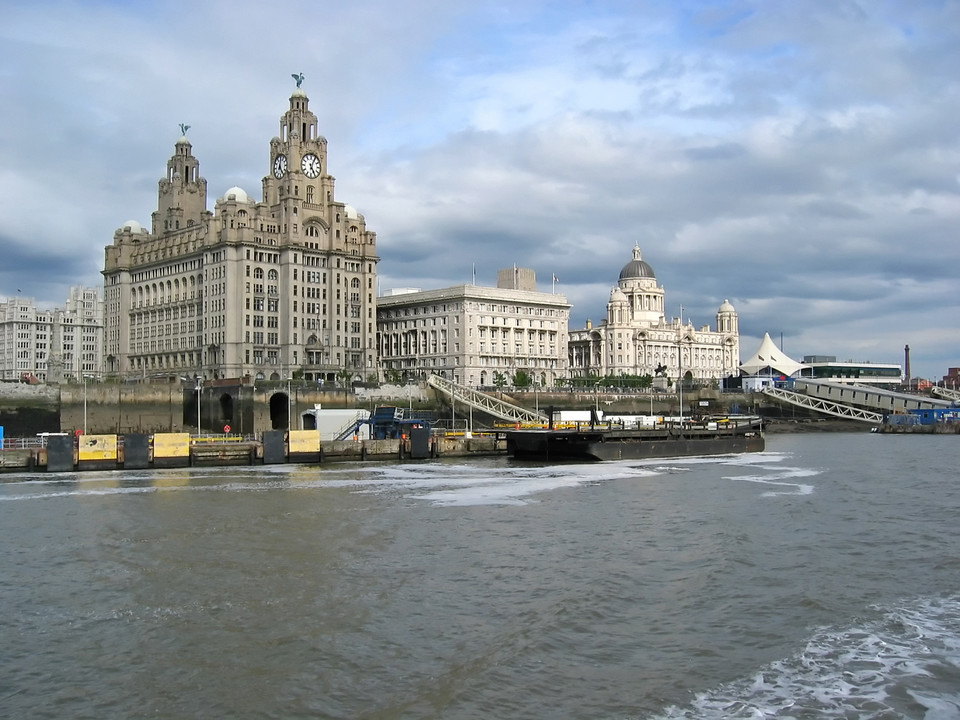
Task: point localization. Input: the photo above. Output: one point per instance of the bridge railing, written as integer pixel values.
(486, 403)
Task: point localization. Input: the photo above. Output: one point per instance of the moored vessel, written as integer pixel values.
(609, 442)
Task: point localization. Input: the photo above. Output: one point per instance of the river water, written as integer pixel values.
(818, 579)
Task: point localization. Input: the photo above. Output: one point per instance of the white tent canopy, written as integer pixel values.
(769, 356)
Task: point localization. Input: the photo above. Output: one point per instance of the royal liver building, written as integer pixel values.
(637, 339)
(269, 289)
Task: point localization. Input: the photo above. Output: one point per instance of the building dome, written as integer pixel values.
(133, 226)
(727, 307)
(618, 296)
(350, 212)
(236, 194)
(636, 268)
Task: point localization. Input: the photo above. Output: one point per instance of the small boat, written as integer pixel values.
(592, 442)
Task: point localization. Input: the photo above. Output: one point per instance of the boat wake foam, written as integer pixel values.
(906, 664)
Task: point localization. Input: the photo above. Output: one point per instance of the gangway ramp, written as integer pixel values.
(824, 406)
(875, 399)
(486, 403)
(946, 393)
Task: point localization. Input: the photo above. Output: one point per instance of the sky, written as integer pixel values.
(800, 158)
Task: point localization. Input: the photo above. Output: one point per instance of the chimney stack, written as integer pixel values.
(906, 364)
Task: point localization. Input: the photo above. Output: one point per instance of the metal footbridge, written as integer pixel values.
(853, 401)
(823, 406)
(946, 393)
(486, 403)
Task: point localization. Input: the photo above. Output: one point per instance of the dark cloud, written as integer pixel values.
(797, 159)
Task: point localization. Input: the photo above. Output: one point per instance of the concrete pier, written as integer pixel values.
(66, 453)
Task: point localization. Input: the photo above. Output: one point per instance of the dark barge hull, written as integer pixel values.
(640, 444)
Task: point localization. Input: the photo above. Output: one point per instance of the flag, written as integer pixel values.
(555, 278)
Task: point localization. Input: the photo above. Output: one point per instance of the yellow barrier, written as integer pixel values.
(304, 441)
(97, 447)
(171, 445)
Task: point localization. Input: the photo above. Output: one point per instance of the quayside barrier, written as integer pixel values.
(55, 452)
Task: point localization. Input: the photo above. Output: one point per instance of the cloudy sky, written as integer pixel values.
(798, 157)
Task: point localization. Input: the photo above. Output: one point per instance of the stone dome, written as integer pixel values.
(133, 226)
(237, 194)
(637, 268)
(726, 307)
(618, 296)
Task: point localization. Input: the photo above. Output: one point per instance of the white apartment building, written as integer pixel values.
(59, 345)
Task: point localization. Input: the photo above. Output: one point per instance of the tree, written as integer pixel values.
(499, 380)
(522, 379)
(394, 376)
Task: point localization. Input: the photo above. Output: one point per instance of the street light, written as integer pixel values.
(85, 402)
(199, 389)
(596, 395)
(289, 406)
(681, 337)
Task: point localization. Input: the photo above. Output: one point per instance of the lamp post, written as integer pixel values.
(681, 337)
(596, 400)
(289, 407)
(85, 378)
(680, 377)
(199, 389)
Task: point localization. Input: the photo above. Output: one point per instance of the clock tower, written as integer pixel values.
(298, 163)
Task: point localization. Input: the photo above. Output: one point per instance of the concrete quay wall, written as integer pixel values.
(250, 409)
(67, 453)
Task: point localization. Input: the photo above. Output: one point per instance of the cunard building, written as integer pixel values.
(268, 289)
(471, 334)
(636, 338)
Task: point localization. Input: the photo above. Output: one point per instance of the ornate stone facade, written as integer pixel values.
(637, 339)
(267, 289)
(469, 333)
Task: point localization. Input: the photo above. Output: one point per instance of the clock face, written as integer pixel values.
(280, 166)
(310, 165)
